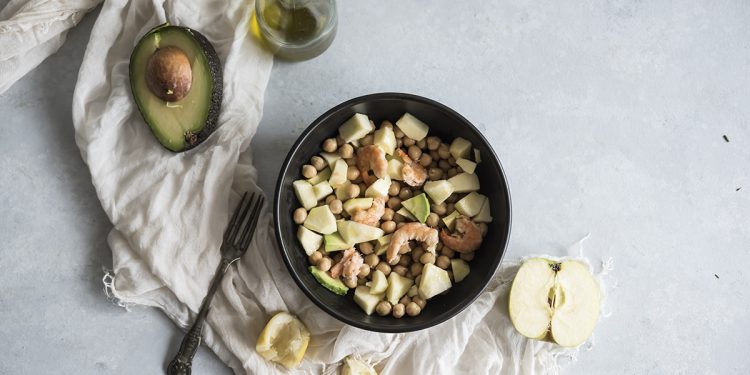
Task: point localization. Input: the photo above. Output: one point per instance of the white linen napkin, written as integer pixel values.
(169, 210)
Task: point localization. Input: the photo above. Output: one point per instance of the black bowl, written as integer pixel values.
(443, 122)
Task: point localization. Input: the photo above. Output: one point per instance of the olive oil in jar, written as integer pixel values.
(296, 29)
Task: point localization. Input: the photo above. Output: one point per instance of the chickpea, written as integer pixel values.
(394, 188)
(433, 220)
(336, 206)
(364, 271)
(427, 257)
(366, 248)
(452, 172)
(300, 214)
(444, 151)
(325, 264)
(318, 162)
(329, 145)
(412, 309)
(352, 162)
(352, 191)
(467, 256)
(405, 193)
(413, 291)
(388, 226)
(346, 151)
(339, 141)
(384, 267)
(422, 143)
(417, 279)
(483, 228)
(394, 203)
(398, 310)
(417, 253)
(405, 261)
(435, 156)
(434, 163)
(315, 258)
(398, 219)
(366, 140)
(433, 143)
(404, 300)
(444, 165)
(414, 152)
(416, 268)
(447, 251)
(398, 133)
(350, 282)
(425, 160)
(330, 198)
(443, 262)
(386, 124)
(399, 142)
(438, 208)
(435, 174)
(371, 260)
(452, 161)
(388, 214)
(459, 170)
(383, 308)
(408, 142)
(309, 171)
(419, 301)
(400, 270)
(352, 173)
(408, 274)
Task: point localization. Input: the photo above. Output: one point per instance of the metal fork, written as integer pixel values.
(237, 238)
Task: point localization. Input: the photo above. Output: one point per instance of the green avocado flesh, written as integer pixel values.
(334, 285)
(185, 123)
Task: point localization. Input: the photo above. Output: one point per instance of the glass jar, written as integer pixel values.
(296, 29)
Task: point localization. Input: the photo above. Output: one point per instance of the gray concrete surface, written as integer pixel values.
(608, 117)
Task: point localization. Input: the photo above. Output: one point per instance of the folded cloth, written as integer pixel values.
(169, 211)
(31, 31)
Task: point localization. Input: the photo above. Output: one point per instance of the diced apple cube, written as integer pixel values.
(305, 194)
(340, 191)
(383, 243)
(322, 190)
(439, 190)
(379, 188)
(334, 242)
(338, 175)
(355, 128)
(397, 287)
(450, 220)
(464, 182)
(460, 269)
(310, 240)
(330, 158)
(353, 232)
(379, 283)
(356, 204)
(484, 215)
(405, 213)
(471, 204)
(460, 148)
(395, 167)
(477, 156)
(466, 165)
(434, 281)
(323, 175)
(320, 219)
(386, 139)
(366, 300)
(412, 127)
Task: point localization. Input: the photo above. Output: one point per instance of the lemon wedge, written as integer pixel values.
(283, 340)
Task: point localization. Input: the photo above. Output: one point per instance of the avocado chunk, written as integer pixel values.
(334, 285)
(176, 80)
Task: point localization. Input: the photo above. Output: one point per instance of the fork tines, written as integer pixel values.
(242, 224)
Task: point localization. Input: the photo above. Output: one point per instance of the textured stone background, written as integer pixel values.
(608, 117)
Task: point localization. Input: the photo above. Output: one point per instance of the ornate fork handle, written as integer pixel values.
(183, 361)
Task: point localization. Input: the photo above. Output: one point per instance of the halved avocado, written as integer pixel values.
(176, 79)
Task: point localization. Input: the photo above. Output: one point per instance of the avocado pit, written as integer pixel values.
(169, 75)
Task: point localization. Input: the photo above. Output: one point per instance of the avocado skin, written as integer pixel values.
(214, 70)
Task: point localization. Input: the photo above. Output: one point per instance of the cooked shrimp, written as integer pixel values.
(349, 264)
(372, 215)
(411, 231)
(413, 173)
(466, 238)
(371, 157)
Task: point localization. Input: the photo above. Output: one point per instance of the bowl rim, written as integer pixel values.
(447, 314)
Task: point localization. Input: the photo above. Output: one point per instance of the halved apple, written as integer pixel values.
(559, 299)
